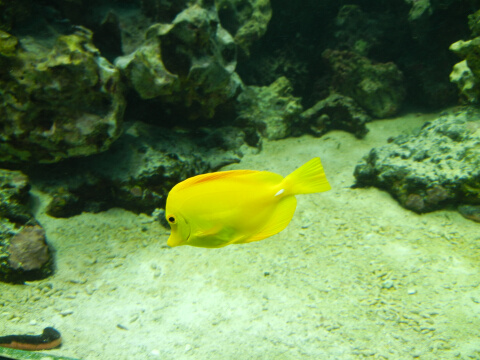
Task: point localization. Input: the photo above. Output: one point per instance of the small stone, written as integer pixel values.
(411, 291)
(387, 284)
(155, 352)
(77, 280)
(28, 249)
(90, 289)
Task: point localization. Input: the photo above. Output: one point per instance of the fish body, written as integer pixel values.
(239, 206)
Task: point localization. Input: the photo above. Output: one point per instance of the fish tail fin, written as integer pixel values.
(308, 178)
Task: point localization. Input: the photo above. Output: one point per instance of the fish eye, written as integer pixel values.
(171, 219)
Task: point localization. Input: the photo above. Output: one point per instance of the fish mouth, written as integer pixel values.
(180, 236)
(174, 240)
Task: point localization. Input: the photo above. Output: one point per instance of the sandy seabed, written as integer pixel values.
(353, 276)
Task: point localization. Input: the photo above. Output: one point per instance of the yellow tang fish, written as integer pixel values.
(238, 206)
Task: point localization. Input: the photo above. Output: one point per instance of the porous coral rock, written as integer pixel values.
(474, 23)
(437, 167)
(246, 20)
(59, 102)
(8, 45)
(419, 17)
(466, 73)
(336, 112)
(14, 188)
(24, 254)
(469, 50)
(272, 110)
(466, 82)
(355, 30)
(189, 64)
(377, 87)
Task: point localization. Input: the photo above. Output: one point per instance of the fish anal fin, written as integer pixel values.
(279, 220)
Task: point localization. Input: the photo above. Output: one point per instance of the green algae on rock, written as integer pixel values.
(189, 64)
(57, 103)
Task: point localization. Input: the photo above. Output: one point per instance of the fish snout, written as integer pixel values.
(174, 239)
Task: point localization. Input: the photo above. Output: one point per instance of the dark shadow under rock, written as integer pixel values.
(140, 168)
(471, 212)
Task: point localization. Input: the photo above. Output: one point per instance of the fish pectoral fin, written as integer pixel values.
(214, 230)
(279, 220)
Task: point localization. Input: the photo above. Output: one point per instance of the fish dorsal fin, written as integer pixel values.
(279, 220)
(195, 180)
